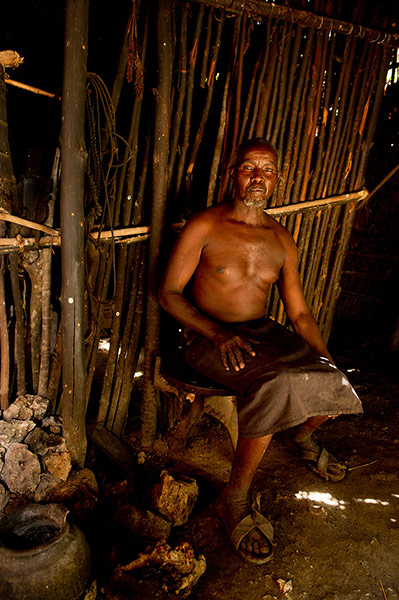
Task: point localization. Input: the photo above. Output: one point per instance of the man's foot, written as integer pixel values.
(250, 532)
(316, 457)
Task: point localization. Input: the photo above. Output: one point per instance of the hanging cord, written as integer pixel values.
(102, 167)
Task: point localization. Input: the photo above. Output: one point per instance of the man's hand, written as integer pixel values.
(230, 348)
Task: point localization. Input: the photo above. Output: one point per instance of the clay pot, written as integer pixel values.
(42, 555)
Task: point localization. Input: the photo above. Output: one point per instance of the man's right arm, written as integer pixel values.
(183, 262)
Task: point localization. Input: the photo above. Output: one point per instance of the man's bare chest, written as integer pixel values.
(247, 254)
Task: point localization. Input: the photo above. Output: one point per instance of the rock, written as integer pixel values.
(47, 484)
(91, 593)
(175, 498)
(142, 524)
(27, 407)
(57, 463)
(83, 481)
(39, 441)
(18, 410)
(4, 498)
(84, 477)
(285, 586)
(177, 567)
(39, 405)
(21, 472)
(14, 431)
(53, 424)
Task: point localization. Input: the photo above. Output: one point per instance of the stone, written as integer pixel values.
(174, 498)
(84, 477)
(4, 498)
(142, 524)
(39, 441)
(21, 472)
(27, 407)
(57, 463)
(47, 484)
(18, 410)
(177, 568)
(39, 405)
(14, 431)
(53, 424)
(83, 480)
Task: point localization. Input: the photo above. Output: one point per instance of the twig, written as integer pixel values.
(361, 466)
(4, 216)
(382, 588)
(30, 88)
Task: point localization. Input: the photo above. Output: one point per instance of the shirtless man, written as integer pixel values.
(231, 254)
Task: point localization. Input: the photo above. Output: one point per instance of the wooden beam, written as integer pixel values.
(259, 9)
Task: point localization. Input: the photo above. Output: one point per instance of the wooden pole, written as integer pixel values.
(4, 343)
(160, 167)
(72, 228)
(7, 192)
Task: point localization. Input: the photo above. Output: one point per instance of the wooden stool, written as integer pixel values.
(189, 395)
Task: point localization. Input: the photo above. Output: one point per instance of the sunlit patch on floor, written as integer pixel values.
(372, 501)
(321, 498)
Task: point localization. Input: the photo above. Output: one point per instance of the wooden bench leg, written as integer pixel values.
(177, 437)
(224, 409)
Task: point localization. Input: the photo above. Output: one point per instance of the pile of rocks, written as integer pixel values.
(34, 460)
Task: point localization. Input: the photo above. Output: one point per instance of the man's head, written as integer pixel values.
(255, 172)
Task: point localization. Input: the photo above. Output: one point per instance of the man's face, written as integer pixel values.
(255, 176)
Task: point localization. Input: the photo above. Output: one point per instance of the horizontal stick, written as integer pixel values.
(127, 231)
(23, 243)
(30, 88)
(301, 207)
(31, 224)
(55, 240)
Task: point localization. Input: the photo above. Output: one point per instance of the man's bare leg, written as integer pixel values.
(233, 504)
(302, 433)
(301, 438)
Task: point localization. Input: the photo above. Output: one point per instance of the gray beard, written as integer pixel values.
(257, 202)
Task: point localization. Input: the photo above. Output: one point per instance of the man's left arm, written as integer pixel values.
(294, 301)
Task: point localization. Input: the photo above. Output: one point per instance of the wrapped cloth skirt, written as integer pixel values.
(282, 386)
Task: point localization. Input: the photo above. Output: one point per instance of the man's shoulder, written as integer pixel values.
(282, 233)
(206, 217)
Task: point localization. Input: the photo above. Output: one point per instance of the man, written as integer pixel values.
(231, 254)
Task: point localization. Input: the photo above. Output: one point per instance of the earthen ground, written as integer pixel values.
(334, 541)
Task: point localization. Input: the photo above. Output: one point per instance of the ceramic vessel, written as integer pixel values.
(43, 556)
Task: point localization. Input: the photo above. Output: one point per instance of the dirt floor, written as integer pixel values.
(334, 541)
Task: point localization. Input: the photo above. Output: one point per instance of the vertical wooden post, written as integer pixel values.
(160, 172)
(7, 190)
(73, 158)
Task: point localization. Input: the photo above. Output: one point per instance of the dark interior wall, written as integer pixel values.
(370, 281)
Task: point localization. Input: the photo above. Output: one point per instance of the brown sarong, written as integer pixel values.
(282, 386)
